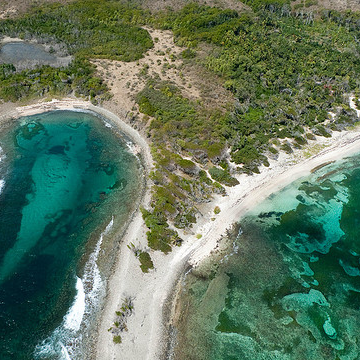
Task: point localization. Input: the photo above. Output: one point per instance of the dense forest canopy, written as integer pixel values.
(89, 28)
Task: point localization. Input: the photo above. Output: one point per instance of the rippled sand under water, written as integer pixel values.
(292, 289)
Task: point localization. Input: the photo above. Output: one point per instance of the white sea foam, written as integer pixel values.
(92, 279)
(64, 353)
(2, 181)
(2, 184)
(75, 314)
(65, 341)
(132, 148)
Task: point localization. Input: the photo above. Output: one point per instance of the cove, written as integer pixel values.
(65, 178)
(289, 287)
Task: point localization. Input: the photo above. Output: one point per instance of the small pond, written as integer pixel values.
(25, 55)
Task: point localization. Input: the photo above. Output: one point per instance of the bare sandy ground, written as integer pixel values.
(7, 12)
(126, 79)
(164, 62)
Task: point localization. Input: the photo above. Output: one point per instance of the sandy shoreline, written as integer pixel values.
(146, 337)
(147, 334)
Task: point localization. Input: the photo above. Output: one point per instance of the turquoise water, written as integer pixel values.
(66, 177)
(291, 288)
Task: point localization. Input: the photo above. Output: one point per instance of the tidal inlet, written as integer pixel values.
(68, 185)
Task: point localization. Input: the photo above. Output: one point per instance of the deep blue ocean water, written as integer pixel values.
(65, 177)
(291, 290)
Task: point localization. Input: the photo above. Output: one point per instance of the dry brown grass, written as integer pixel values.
(156, 5)
(340, 5)
(11, 8)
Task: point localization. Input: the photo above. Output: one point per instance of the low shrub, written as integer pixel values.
(223, 176)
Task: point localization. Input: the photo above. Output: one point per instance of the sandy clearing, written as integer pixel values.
(126, 79)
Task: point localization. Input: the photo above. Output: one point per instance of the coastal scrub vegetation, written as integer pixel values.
(181, 122)
(179, 126)
(85, 29)
(91, 28)
(146, 263)
(217, 210)
(286, 69)
(78, 77)
(223, 176)
(144, 257)
(120, 323)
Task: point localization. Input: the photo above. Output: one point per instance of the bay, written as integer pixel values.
(66, 177)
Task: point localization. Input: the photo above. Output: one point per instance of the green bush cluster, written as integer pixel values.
(120, 323)
(179, 126)
(160, 237)
(179, 185)
(267, 4)
(92, 28)
(223, 176)
(117, 339)
(180, 122)
(79, 77)
(194, 23)
(217, 210)
(146, 263)
(188, 54)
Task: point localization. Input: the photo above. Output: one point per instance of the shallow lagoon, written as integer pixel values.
(291, 290)
(29, 55)
(66, 177)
